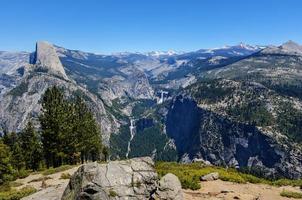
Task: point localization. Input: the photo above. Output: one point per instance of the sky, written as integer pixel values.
(106, 26)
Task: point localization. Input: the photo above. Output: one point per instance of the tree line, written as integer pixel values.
(68, 134)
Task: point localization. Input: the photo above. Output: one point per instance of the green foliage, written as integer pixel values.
(112, 193)
(65, 176)
(140, 107)
(19, 90)
(149, 139)
(69, 130)
(287, 89)
(189, 175)
(5, 187)
(31, 147)
(10, 139)
(119, 143)
(87, 134)
(253, 112)
(105, 152)
(57, 169)
(17, 194)
(17, 158)
(6, 170)
(290, 194)
(13, 142)
(289, 121)
(22, 173)
(209, 91)
(15, 184)
(44, 178)
(55, 122)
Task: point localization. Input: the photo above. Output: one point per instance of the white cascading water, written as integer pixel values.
(132, 133)
(161, 99)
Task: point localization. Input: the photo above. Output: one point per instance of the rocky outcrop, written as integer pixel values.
(23, 103)
(199, 133)
(46, 58)
(130, 179)
(132, 83)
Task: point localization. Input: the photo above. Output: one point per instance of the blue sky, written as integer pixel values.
(105, 26)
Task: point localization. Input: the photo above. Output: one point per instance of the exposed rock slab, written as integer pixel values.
(130, 179)
(50, 193)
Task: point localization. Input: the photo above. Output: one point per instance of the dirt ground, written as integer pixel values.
(210, 190)
(53, 189)
(223, 190)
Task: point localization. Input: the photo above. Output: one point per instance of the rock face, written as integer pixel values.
(199, 133)
(133, 83)
(21, 89)
(46, 58)
(17, 108)
(288, 48)
(130, 179)
(11, 61)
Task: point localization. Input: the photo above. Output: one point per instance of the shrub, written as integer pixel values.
(189, 175)
(190, 184)
(65, 176)
(284, 182)
(290, 194)
(22, 173)
(56, 170)
(15, 184)
(40, 179)
(5, 187)
(112, 193)
(17, 194)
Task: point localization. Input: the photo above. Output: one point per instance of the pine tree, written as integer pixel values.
(17, 157)
(105, 152)
(32, 149)
(53, 124)
(6, 169)
(10, 139)
(69, 130)
(87, 132)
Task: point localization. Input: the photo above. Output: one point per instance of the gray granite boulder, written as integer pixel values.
(169, 188)
(210, 177)
(133, 179)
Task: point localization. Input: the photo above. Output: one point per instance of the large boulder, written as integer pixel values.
(133, 179)
(169, 188)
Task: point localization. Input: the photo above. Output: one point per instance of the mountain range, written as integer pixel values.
(237, 106)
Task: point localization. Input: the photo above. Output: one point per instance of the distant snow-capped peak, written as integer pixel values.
(162, 53)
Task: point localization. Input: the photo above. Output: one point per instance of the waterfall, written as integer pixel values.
(132, 133)
(162, 98)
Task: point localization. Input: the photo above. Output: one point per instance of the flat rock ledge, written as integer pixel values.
(134, 179)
